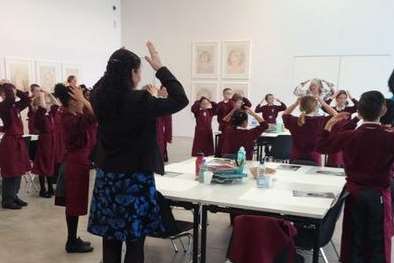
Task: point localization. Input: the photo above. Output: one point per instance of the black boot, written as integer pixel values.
(44, 194)
(78, 246)
(11, 205)
(20, 202)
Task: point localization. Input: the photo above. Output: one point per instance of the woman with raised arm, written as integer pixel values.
(124, 206)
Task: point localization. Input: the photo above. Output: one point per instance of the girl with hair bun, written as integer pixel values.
(79, 127)
(306, 128)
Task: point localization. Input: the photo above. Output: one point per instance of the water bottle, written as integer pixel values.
(241, 159)
(203, 169)
(199, 162)
(260, 177)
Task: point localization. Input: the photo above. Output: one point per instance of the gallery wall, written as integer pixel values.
(281, 33)
(81, 33)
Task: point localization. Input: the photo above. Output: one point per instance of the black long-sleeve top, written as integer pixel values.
(128, 143)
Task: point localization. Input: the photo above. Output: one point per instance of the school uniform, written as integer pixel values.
(203, 135)
(368, 154)
(44, 162)
(164, 134)
(305, 138)
(58, 137)
(80, 137)
(270, 112)
(236, 137)
(14, 158)
(222, 110)
(31, 122)
(336, 159)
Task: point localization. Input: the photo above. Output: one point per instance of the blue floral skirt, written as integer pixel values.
(124, 206)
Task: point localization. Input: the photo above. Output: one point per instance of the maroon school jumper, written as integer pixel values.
(164, 133)
(336, 159)
(79, 137)
(203, 135)
(222, 110)
(270, 112)
(44, 162)
(305, 138)
(237, 137)
(30, 121)
(14, 157)
(260, 239)
(368, 154)
(58, 133)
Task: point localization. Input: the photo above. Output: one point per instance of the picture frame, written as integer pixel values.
(236, 59)
(206, 89)
(71, 69)
(48, 73)
(205, 60)
(20, 72)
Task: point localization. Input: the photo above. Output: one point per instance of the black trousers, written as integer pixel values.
(368, 228)
(10, 188)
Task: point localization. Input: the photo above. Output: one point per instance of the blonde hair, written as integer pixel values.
(308, 105)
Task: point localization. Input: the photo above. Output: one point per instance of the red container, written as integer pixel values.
(199, 162)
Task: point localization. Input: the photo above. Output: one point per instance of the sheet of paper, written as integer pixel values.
(174, 184)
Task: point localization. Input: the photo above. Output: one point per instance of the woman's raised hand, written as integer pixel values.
(154, 58)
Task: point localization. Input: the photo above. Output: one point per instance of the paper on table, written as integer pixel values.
(174, 184)
(284, 197)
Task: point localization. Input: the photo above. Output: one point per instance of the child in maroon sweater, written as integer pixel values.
(306, 128)
(270, 110)
(239, 135)
(203, 110)
(368, 154)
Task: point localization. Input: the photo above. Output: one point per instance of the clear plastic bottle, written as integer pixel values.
(241, 159)
(203, 169)
(260, 177)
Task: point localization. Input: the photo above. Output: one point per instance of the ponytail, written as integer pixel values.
(301, 119)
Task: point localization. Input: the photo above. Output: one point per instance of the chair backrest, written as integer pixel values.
(328, 224)
(281, 147)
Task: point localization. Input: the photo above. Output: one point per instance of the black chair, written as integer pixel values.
(174, 229)
(281, 148)
(304, 239)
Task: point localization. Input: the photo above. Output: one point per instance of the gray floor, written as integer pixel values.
(37, 233)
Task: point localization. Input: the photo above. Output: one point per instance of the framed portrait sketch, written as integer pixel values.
(205, 60)
(204, 89)
(71, 69)
(20, 72)
(48, 73)
(242, 88)
(236, 59)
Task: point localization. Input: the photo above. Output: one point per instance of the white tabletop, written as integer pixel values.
(278, 199)
(268, 134)
(33, 137)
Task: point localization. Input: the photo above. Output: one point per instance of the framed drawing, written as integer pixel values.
(20, 72)
(48, 73)
(236, 60)
(71, 69)
(241, 88)
(204, 89)
(205, 60)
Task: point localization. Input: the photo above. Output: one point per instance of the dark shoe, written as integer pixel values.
(11, 205)
(86, 243)
(20, 202)
(78, 246)
(44, 194)
(51, 192)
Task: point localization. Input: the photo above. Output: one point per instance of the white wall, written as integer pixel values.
(74, 31)
(279, 30)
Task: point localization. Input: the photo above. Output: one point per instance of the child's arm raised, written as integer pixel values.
(327, 107)
(292, 107)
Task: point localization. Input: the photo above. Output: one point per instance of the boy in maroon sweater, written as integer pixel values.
(270, 110)
(368, 154)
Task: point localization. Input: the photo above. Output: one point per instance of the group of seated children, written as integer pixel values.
(232, 115)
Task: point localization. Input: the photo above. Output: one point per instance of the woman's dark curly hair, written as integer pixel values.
(238, 118)
(109, 91)
(62, 92)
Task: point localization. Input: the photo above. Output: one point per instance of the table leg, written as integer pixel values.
(316, 245)
(196, 219)
(204, 220)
